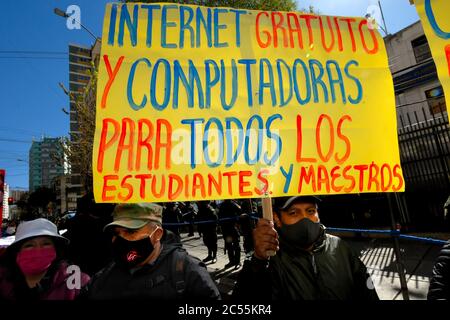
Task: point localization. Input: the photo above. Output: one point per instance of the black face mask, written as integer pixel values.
(131, 253)
(302, 233)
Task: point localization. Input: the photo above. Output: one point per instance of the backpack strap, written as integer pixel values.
(178, 269)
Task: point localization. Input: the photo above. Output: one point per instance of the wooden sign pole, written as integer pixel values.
(267, 214)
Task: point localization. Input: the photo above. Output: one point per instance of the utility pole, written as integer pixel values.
(400, 266)
(382, 17)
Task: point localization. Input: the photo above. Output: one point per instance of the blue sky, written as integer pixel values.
(30, 98)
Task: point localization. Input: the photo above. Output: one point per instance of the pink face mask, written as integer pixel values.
(35, 260)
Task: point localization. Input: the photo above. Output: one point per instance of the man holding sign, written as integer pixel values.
(197, 103)
(309, 264)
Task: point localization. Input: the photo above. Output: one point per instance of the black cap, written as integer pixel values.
(285, 202)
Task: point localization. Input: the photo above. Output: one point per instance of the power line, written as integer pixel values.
(35, 58)
(32, 52)
(5, 128)
(14, 140)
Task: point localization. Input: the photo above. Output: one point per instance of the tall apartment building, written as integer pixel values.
(81, 61)
(45, 163)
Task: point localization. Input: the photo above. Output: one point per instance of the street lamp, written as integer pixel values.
(60, 13)
(63, 14)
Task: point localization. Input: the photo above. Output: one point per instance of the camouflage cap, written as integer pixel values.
(135, 215)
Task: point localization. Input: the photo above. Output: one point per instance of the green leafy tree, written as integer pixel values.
(269, 5)
(77, 149)
(39, 203)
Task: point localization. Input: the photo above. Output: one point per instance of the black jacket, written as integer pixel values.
(440, 282)
(330, 272)
(207, 217)
(174, 275)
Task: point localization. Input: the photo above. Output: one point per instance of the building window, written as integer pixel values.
(421, 49)
(74, 126)
(436, 100)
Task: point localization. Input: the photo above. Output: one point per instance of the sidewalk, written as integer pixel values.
(377, 254)
(224, 278)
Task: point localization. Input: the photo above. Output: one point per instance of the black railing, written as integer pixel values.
(424, 141)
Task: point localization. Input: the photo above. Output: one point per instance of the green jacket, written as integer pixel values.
(331, 271)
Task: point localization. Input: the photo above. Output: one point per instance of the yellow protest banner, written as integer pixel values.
(214, 103)
(434, 15)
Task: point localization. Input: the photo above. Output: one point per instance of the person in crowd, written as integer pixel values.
(33, 266)
(440, 281)
(207, 225)
(246, 223)
(172, 217)
(89, 246)
(11, 229)
(309, 263)
(189, 212)
(229, 212)
(149, 262)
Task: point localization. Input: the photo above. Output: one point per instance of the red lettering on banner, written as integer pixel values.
(129, 187)
(343, 138)
(264, 181)
(141, 142)
(447, 54)
(293, 30)
(363, 39)
(334, 177)
(243, 184)
(127, 128)
(217, 184)
(278, 26)
(106, 145)
(322, 178)
(322, 32)
(171, 193)
(300, 142)
(399, 177)
(308, 18)
(350, 30)
(112, 75)
(325, 158)
(385, 187)
(348, 177)
(229, 175)
(160, 145)
(198, 183)
(361, 168)
(106, 188)
(374, 170)
(162, 189)
(143, 178)
(307, 177)
(260, 42)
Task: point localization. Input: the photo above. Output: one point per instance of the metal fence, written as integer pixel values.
(424, 141)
